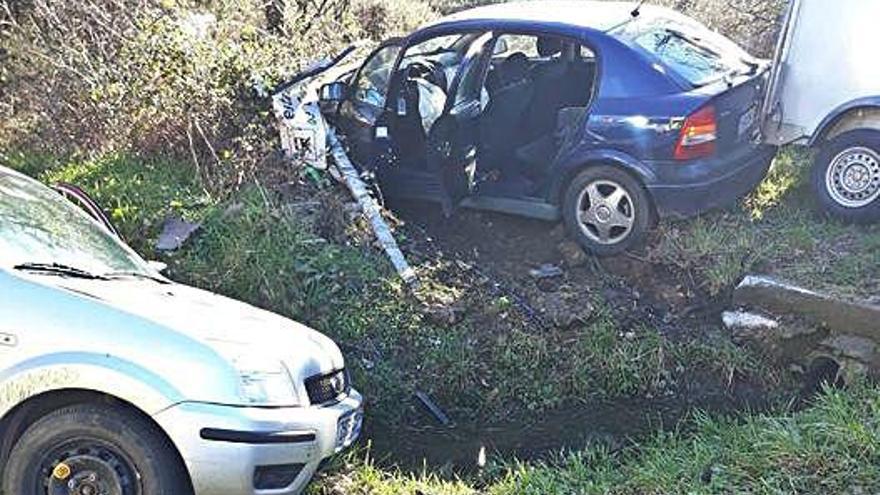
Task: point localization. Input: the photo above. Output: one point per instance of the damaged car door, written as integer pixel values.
(359, 113)
(434, 119)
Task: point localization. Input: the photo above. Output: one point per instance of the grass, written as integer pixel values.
(491, 363)
(254, 248)
(775, 230)
(831, 447)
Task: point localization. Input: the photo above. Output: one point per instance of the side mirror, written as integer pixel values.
(331, 96)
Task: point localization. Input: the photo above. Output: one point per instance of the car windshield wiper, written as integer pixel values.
(131, 274)
(58, 269)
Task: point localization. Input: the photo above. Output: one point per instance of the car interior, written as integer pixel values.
(531, 94)
(539, 88)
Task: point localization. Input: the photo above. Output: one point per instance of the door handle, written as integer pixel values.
(8, 340)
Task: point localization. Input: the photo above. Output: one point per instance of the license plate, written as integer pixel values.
(747, 121)
(348, 428)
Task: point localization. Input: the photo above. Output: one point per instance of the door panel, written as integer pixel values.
(365, 104)
(453, 140)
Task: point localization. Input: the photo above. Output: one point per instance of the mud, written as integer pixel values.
(611, 425)
(504, 253)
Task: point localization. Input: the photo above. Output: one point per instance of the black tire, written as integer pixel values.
(637, 208)
(139, 458)
(835, 199)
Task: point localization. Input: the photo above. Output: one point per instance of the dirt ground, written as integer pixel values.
(553, 286)
(512, 251)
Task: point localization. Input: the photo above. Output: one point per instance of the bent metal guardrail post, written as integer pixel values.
(352, 180)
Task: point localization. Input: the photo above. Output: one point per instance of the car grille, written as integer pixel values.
(328, 387)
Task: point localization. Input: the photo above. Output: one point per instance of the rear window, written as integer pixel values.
(694, 52)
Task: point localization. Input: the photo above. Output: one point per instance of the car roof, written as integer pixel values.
(592, 14)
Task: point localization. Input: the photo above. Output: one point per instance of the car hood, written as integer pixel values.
(233, 329)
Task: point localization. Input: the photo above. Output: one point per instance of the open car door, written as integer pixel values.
(364, 105)
(453, 138)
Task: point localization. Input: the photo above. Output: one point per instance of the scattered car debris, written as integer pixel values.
(433, 408)
(175, 232)
(546, 270)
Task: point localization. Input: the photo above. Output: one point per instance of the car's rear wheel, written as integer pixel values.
(846, 176)
(606, 210)
(91, 449)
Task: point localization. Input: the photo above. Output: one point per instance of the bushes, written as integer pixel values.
(175, 78)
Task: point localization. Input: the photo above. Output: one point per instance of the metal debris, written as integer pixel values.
(433, 408)
(546, 271)
(175, 232)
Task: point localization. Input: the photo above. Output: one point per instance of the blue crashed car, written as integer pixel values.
(606, 115)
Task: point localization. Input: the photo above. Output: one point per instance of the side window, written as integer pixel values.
(508, 44)
(372, 82)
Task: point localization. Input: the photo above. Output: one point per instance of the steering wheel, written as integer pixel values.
(429, 71)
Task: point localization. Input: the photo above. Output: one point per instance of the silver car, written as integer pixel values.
(116, 381)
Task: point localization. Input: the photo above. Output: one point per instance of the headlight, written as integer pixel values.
(263, 383)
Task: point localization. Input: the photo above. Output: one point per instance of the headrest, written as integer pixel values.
(549, 46)
(515, 67)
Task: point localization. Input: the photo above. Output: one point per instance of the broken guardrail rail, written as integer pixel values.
(307, 138)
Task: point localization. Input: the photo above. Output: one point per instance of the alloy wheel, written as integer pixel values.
(605, 212)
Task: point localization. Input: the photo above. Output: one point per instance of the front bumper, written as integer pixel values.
(223, 446)
(685, 190)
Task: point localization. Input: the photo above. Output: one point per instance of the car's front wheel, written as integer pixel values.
(846, 176)
(91, 449)
(606, 210)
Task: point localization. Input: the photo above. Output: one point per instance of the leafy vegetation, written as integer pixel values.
(156, 109)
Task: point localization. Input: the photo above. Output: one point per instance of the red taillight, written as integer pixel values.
(698, 135)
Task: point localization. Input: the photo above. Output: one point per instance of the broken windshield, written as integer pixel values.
(695, 53)
(38, 227)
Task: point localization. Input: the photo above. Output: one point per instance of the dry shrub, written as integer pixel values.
(183, 78)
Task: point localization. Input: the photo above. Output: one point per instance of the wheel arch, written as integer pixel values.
(14, 423)
(863, 113)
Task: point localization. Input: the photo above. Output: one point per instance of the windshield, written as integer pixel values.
(38, 226)
(694, 52)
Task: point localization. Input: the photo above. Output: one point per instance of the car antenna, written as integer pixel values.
(636, 11)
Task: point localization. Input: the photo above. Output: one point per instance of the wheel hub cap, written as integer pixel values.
(603, 214)
(853, 178)
(606, 212)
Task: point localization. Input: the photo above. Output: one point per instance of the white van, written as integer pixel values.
(825, 93)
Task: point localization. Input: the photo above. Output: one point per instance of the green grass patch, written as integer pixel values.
(777, 230)
(831, 447)
(136, 193)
